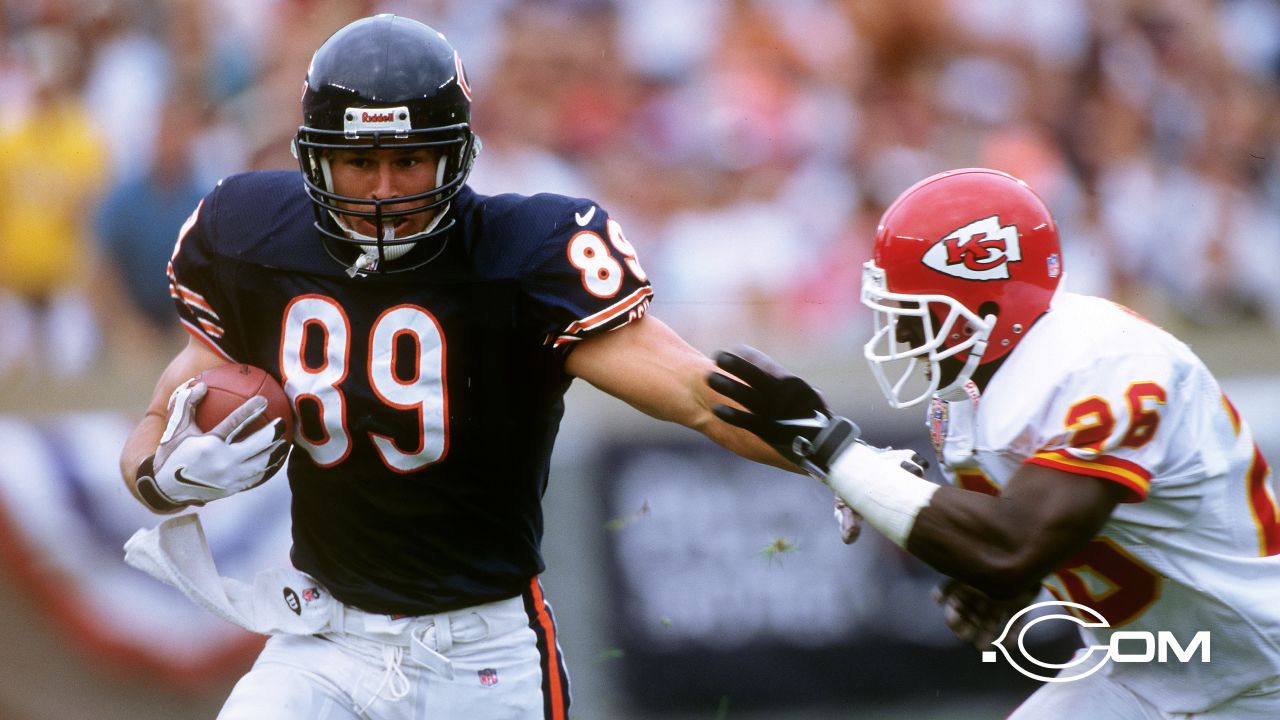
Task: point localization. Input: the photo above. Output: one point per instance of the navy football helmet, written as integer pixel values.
(385, 81)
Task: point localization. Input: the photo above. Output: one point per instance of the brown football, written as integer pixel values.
(231, 385)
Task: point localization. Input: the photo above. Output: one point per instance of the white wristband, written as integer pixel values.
(879, 489)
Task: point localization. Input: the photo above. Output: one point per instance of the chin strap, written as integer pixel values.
(359, 265)
(368, 258)
(956, 389)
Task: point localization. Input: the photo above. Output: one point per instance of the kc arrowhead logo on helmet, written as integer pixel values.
(981, 250)
(968, 257)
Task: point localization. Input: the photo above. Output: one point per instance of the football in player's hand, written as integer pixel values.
(231, 385)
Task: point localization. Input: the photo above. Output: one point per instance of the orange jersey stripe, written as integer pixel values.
(1232, 413)
(553, 662)
(205, 340)
(1262, 504)
(977, 481)
(1131, 475)
(212, 329)
(591, 322)
(187, 224)
(195, 300)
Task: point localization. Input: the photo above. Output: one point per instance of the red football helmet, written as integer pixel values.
(973, 254)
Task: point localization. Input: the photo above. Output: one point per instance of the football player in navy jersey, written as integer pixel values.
(425, 335)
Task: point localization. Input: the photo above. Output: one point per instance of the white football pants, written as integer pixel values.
(497, 661)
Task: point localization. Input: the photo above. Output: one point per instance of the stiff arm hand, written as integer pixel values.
(883, 485)
(192, 467)
(781, 409)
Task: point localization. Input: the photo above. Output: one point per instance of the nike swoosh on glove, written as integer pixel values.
(191, 467)
(783, 410)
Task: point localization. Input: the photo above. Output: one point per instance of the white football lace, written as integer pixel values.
(393, 678)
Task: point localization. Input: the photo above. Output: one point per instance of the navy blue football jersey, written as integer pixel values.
(427, 401)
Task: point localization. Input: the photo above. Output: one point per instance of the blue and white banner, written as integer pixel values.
(65, 515)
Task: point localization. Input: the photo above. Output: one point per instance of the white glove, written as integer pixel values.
(848, 519)
(191, 467)
(907, 459)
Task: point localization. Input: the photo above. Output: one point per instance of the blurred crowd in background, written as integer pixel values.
(747, 146)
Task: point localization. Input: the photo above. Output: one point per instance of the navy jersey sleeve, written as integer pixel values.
(194, 283)
(586, 277)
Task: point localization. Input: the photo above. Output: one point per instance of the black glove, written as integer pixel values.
(781, 409)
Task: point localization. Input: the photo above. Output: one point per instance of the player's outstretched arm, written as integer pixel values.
(1000, 545)
(650, 367)
(1004, 544)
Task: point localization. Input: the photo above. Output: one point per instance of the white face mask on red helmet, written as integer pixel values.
(964, 262)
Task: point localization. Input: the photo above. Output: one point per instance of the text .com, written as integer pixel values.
(1126, 646)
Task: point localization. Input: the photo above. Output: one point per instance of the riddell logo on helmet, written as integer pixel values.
(356, 120)
(981, 250)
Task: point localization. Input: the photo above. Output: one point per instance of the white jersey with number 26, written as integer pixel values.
(1094, 389)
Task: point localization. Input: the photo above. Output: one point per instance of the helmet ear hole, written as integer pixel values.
(980, 238)
(988, 309)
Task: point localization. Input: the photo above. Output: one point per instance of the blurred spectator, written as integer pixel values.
(139, 219)
(126, 81)
(51, 166)
(522, 113)
(748, 146)
(751, 144)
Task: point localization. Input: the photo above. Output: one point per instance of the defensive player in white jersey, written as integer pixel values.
(1088, 451)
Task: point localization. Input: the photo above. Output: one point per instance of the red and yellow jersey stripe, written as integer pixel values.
(1131, 475)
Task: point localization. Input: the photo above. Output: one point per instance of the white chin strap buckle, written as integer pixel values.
(368, 260)
(361, 264)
